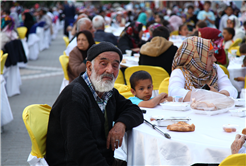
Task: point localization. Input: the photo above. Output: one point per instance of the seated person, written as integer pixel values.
(237, 145)
(193, 66)
(141, 88)
(242, 51)
(199, 24)
(100, 35)
(159, 51)
(183, 30)
(77, 57)
(228, 34)
(131, 38)
(80, 129)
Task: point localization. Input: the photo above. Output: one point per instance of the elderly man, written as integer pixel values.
(100, 35)
(81, 130)
(82, 24)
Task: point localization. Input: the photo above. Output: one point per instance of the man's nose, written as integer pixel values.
(109, 69)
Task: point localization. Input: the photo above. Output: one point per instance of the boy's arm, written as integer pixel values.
(153, 102)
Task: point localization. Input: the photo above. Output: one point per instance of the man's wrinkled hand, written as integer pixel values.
(115, 135)
(237, 143)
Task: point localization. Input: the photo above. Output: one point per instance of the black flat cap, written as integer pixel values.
(97, 49)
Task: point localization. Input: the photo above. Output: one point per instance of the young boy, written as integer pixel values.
(242, 51)
(228, 34)
(141, 88)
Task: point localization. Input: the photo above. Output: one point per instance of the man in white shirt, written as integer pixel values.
(82, 24)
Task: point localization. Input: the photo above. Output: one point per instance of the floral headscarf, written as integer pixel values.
(191, 58)
(216, 37)
(152, 27)
(132, 31)
(7, 21)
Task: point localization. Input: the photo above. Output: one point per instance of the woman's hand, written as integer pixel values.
(212, 89)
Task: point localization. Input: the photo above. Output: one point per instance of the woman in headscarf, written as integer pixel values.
(142, 18)
(152, 27)
(233, 22)
(175, 22)
(193, 66)
(7, 32)
(130, 38)
(216, 37)
(78, 56)
(28, 22)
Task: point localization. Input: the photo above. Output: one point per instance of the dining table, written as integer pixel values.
(209, 143)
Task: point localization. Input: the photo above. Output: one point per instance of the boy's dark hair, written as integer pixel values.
(181, 26)
(195, 33)
(208, 2)
(242, 49)
(139, 75)
(190, 7)
(201, 24)
(162, 32)
(244, 24)
(229, 7)
(230, 31)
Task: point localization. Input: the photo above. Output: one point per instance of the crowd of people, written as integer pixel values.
(81, 130)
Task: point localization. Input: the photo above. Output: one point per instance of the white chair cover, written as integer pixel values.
(34, 161)
(64, 84)
(55, 30)
(33, 45)
(47, 38)
(6, 113)
(40, 33)
(13, 80)
(26, 49)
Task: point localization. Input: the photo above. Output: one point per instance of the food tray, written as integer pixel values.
(176, 106)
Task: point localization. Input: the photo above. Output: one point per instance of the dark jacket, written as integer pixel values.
(158, 52)
(100, 35)
(76, 133)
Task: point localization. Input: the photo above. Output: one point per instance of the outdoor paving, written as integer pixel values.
(41, 81)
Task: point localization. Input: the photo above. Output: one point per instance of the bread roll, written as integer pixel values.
(244, 131)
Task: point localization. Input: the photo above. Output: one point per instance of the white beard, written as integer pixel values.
(99, 84)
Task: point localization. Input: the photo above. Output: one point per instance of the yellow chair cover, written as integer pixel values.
(64, 63)
(22, 32)
(158, 74)
(234, 160)
(1, 53)
(245, 82)
(66, 39)
(3, 60)
(124, 90)
(64, 53)
(174, 33)
(235, 43)
(97, 42)
(164, 86)
(36, 118)
(120, 79)
(225, 70)
(235, 48)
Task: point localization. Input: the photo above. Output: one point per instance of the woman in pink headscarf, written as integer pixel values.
(175, 22)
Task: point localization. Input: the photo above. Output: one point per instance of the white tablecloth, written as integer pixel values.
(115, 31)
(177, 40)
(236, 70)
(207, 144)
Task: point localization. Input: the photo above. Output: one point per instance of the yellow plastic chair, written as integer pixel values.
(225, 70)
(66, 39)
(235, 43)
(174, 33)
(1, 53)
(64, 53)
(234, 160)
(3, 60)
(124, 90)
(97, 42)
(36, 118)
(158, 74)
(64, 63)
(120, 79)
(245, 82)
(164, 86)
(22, 32)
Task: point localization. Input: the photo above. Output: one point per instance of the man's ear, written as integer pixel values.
(89, 67)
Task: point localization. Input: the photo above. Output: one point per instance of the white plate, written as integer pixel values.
(240, 112)
(176, 106)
